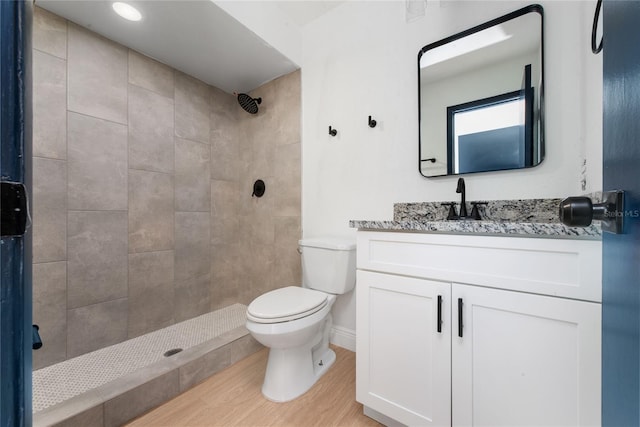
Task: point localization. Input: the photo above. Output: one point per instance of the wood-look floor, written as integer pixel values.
(232, 397)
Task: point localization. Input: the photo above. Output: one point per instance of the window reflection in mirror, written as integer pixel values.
(481, 97)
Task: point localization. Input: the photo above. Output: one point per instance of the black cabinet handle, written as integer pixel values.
(439, 326)
(460, 317)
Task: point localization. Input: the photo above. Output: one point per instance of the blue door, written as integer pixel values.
(15, 247)
(621, 253)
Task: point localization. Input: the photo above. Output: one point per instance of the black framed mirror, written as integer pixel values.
(481, 97)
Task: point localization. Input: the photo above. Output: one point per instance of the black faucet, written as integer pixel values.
(463, 202)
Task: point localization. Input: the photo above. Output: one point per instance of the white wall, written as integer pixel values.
(360, 59)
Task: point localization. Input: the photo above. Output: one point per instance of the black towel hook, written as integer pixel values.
(372, 123)
(333, 132)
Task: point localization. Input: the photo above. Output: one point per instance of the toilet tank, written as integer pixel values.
(329, 264)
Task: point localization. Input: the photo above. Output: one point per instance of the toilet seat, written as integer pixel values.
(286, 304)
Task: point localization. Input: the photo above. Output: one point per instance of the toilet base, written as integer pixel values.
(292, 372)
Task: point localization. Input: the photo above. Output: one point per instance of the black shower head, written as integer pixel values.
(249, 104)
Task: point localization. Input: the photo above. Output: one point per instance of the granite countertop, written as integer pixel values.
(528, 218)
(521, 229)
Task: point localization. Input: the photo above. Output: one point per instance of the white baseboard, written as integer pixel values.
(343, 337)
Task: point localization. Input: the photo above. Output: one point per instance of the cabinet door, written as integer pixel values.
(524, 359)
(403, 360)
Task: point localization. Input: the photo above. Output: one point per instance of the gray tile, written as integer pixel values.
(192, 108)
(49, 210)
(49, 33)
(49, 106)
(96, 326)
(150, 74)
(287, 200)
(244, 347)
(192, 176)
(131, 404)
(151, 221)
(287, 262)
(225, 269)
(257, 271)
(225, 135)
(192, 245)
(225, 208)
(150, 130)
(202, 368)
(97, 70)
(287, 114)
(97, 155)
(151, 295)
(97, 265)
(50, 312)
(192, 298)
(225, 155)
(93, 417)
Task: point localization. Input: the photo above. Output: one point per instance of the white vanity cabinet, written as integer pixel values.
(529, 353)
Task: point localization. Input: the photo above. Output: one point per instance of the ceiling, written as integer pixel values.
(195, 37)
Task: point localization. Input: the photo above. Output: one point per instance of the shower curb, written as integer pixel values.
(130, 396)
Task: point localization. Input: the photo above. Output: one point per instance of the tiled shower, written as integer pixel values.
(142, 212)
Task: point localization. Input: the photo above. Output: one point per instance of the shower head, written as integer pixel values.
(249, 104)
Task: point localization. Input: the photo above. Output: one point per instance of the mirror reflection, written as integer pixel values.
(481, 97)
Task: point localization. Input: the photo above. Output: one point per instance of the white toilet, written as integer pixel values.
(294, 322)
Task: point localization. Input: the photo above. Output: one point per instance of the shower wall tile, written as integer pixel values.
(192, 108)
(224, 136)
(258, 264)
(150, 74)
(97, 75)
(225, 155)
(151, 215)
(151, 293)
(192, 297)
(192, 245)
(258, 226)
(49, 33)
(288, 264)
(96, 326)
(150, 130)
(225, 269)
(97, 266)
(49, 211)
(49, 106)
(50, 312)
(225, 224)
(287, 199)
(97, 154)
(263, 156)
(287, 108)
(193, 191)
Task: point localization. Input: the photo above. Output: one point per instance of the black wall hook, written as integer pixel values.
(333, 132)
(258, 188)
(372, 123)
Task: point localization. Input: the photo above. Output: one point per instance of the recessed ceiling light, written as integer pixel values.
(127, 11)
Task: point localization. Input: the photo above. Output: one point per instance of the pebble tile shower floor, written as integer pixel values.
(62, 381)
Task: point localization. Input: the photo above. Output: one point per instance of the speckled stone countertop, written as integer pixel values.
(528, 218)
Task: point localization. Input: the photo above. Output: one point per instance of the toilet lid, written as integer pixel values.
(286, 304)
